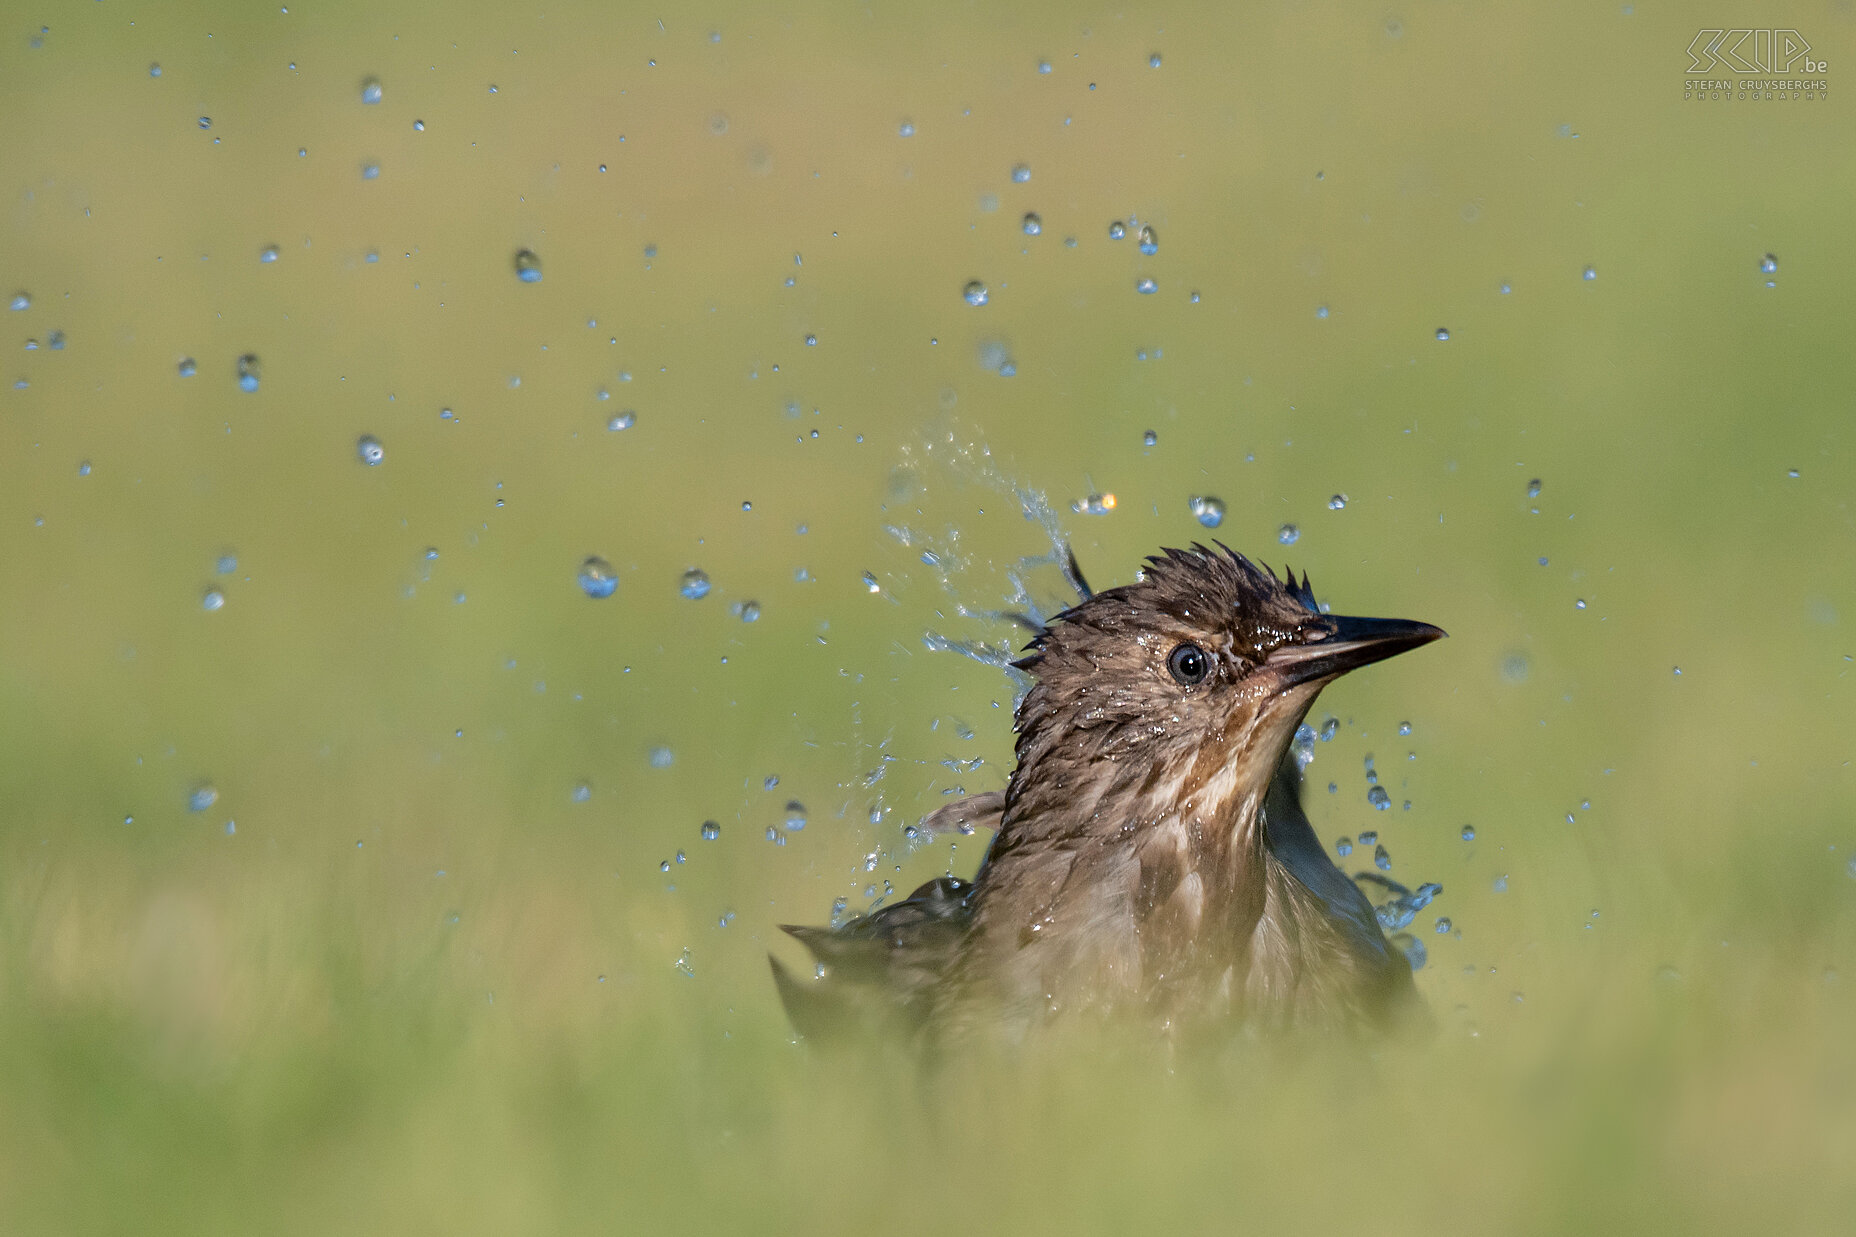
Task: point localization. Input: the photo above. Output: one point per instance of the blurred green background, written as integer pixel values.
(414, 965)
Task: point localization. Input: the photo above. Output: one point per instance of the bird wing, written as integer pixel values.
(1342, 954)
(982, 811)
(876, 974)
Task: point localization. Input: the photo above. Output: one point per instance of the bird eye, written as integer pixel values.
(1188, 665)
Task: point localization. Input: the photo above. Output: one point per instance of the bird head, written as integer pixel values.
(1189, 682)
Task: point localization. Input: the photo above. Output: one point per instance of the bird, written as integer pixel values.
(1150, 856)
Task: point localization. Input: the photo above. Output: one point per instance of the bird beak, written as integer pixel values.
(1349, 644)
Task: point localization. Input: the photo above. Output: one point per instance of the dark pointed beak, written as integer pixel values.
(1350, 644)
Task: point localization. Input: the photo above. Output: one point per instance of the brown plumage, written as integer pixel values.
(1151, 856)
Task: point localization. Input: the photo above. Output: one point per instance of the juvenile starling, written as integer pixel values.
(1151, 857)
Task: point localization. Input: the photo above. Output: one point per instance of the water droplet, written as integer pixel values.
(248, 372)
(1404, 728)
(1382, 859)
(1579, 604)
(83, 468)
(1117, 230)
(1343, 847)
(661, 757)
(623, 421)
(1288, 534)
(1499, 884)
(1533, 488)
(811, 341)
(370, 90)
(1443, 334)
(1094, 504)
(1769, 265)
(1043, 66)
(1337, 503)
(1303, 746)
(1469, 833)
(418, 126)
(1150, 439)
(1590, 272)
(202, 797)
(597, 579)
(1413, 949)
(748, 611)
(1378, 797)
(205, 122)
(1149, 241)
(1369, 837)
(268, 254)
(1443, 924)
(711, 830)
(684, 966)
(795, 815)
(1330, 726)
(975, 293)
(1207, 510)
(1153, 61)
(368, 449)
(1146, 286)
(528, 266)
(212, 600)
(582, 792)
(1021, 172)
(695, 584)
(1321, 311)
(871, 584)
(154, 70)
(187, 368)
(1033, 225)
(226, 563)
(370, 171)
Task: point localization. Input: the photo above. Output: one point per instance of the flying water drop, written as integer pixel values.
(597, 579)
(1207, 510)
